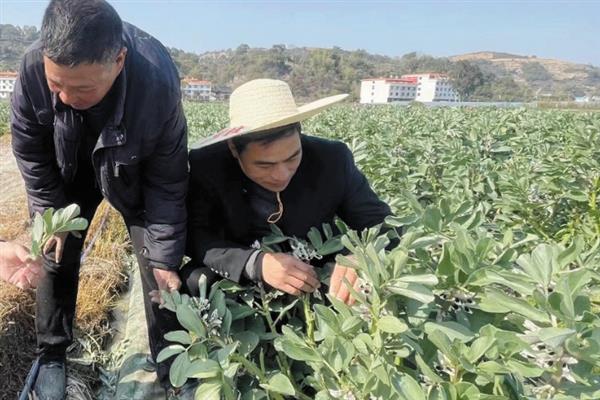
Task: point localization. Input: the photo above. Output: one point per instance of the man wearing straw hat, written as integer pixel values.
(262, 170)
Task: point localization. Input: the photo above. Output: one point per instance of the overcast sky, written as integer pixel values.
(566, 30)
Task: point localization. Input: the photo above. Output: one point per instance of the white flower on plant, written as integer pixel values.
(256, 245)
(566, 370)
(544, 392)
(303, 251)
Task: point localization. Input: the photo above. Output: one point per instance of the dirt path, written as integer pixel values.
(13, 204)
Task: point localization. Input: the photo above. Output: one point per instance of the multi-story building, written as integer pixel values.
(419, 87)
(387, 90)
(7, 84)
(195, 89)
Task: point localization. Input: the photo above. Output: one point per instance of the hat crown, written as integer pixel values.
(260, 102)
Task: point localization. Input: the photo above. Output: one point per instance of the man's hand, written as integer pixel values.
(165, 280)
(337, 287)
(17, 267)
(287, 273)
(56, 242)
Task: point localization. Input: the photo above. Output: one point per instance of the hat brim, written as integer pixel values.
(304, 112)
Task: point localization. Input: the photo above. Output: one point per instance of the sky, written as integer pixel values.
(564, 30)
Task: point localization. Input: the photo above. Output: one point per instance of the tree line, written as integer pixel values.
(317, 72)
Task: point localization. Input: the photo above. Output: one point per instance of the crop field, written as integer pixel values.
(491, 290)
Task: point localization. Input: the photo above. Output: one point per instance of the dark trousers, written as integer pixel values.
(57, 291)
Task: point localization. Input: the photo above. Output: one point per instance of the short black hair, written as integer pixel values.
(81, 31)
(266, 136)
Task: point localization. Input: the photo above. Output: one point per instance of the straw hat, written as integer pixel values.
(263, 104)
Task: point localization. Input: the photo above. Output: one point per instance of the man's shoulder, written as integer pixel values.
(149, 60)
(211, 162)
(325, 149)
(33, 59)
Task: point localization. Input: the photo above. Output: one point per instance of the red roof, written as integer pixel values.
(196, 82)
(408, 80)
(7, 74)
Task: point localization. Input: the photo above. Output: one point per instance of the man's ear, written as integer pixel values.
(120, 60)
(233, 150)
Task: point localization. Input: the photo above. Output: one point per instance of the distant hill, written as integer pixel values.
(541, 74)
(316, 72)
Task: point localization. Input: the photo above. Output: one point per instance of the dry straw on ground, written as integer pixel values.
(102, 277)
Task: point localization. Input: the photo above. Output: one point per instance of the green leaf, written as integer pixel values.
(351, 325)
(47, 218)
(190, 320)
(327, 317)
(327, 230)
(453, 330)
(315, 237)
(425, 279)
(178, 370)
(248, 341)
(493, 300)
(203, 369)
(279, 383)
(432, 219)
(391, 324)
(37, 231)
(330, 247)
(411, 290)
(69, 212)
(224, 353)
(479, 347)
(526, 370)
(179, 336)
(209, 391)
(407, 387)
(297, 352)
(555, 337)
(426, 370)
(77, 224)
(169, 351)
(540, 264)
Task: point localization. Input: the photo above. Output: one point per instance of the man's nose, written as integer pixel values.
(281, 173)
(66, 97)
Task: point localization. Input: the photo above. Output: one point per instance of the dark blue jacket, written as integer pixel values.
(223, 225)
(140, 159)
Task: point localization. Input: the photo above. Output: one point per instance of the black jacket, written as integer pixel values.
(222, 226)
(140, 159)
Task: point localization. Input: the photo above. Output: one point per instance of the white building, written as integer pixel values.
(196, 89)
(387, 90)
(7, 84)
(419, 87)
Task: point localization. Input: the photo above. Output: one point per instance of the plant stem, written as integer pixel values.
(310, 318)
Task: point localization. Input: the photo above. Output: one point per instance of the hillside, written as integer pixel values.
(543, 74)
(315, 72)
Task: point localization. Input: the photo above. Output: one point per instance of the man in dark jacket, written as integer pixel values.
(263, 171)
(96, 113)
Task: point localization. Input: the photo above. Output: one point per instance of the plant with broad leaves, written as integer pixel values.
(52, 222)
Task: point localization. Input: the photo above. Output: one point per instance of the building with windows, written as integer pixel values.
(418, 87)
(195, 89)
(7, 84)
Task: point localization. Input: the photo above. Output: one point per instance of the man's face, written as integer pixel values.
(85, 85)
(271, 165)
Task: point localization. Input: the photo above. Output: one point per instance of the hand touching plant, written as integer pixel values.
(50, 230)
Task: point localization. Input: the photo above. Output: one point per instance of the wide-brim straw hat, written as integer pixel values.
(263, 104)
